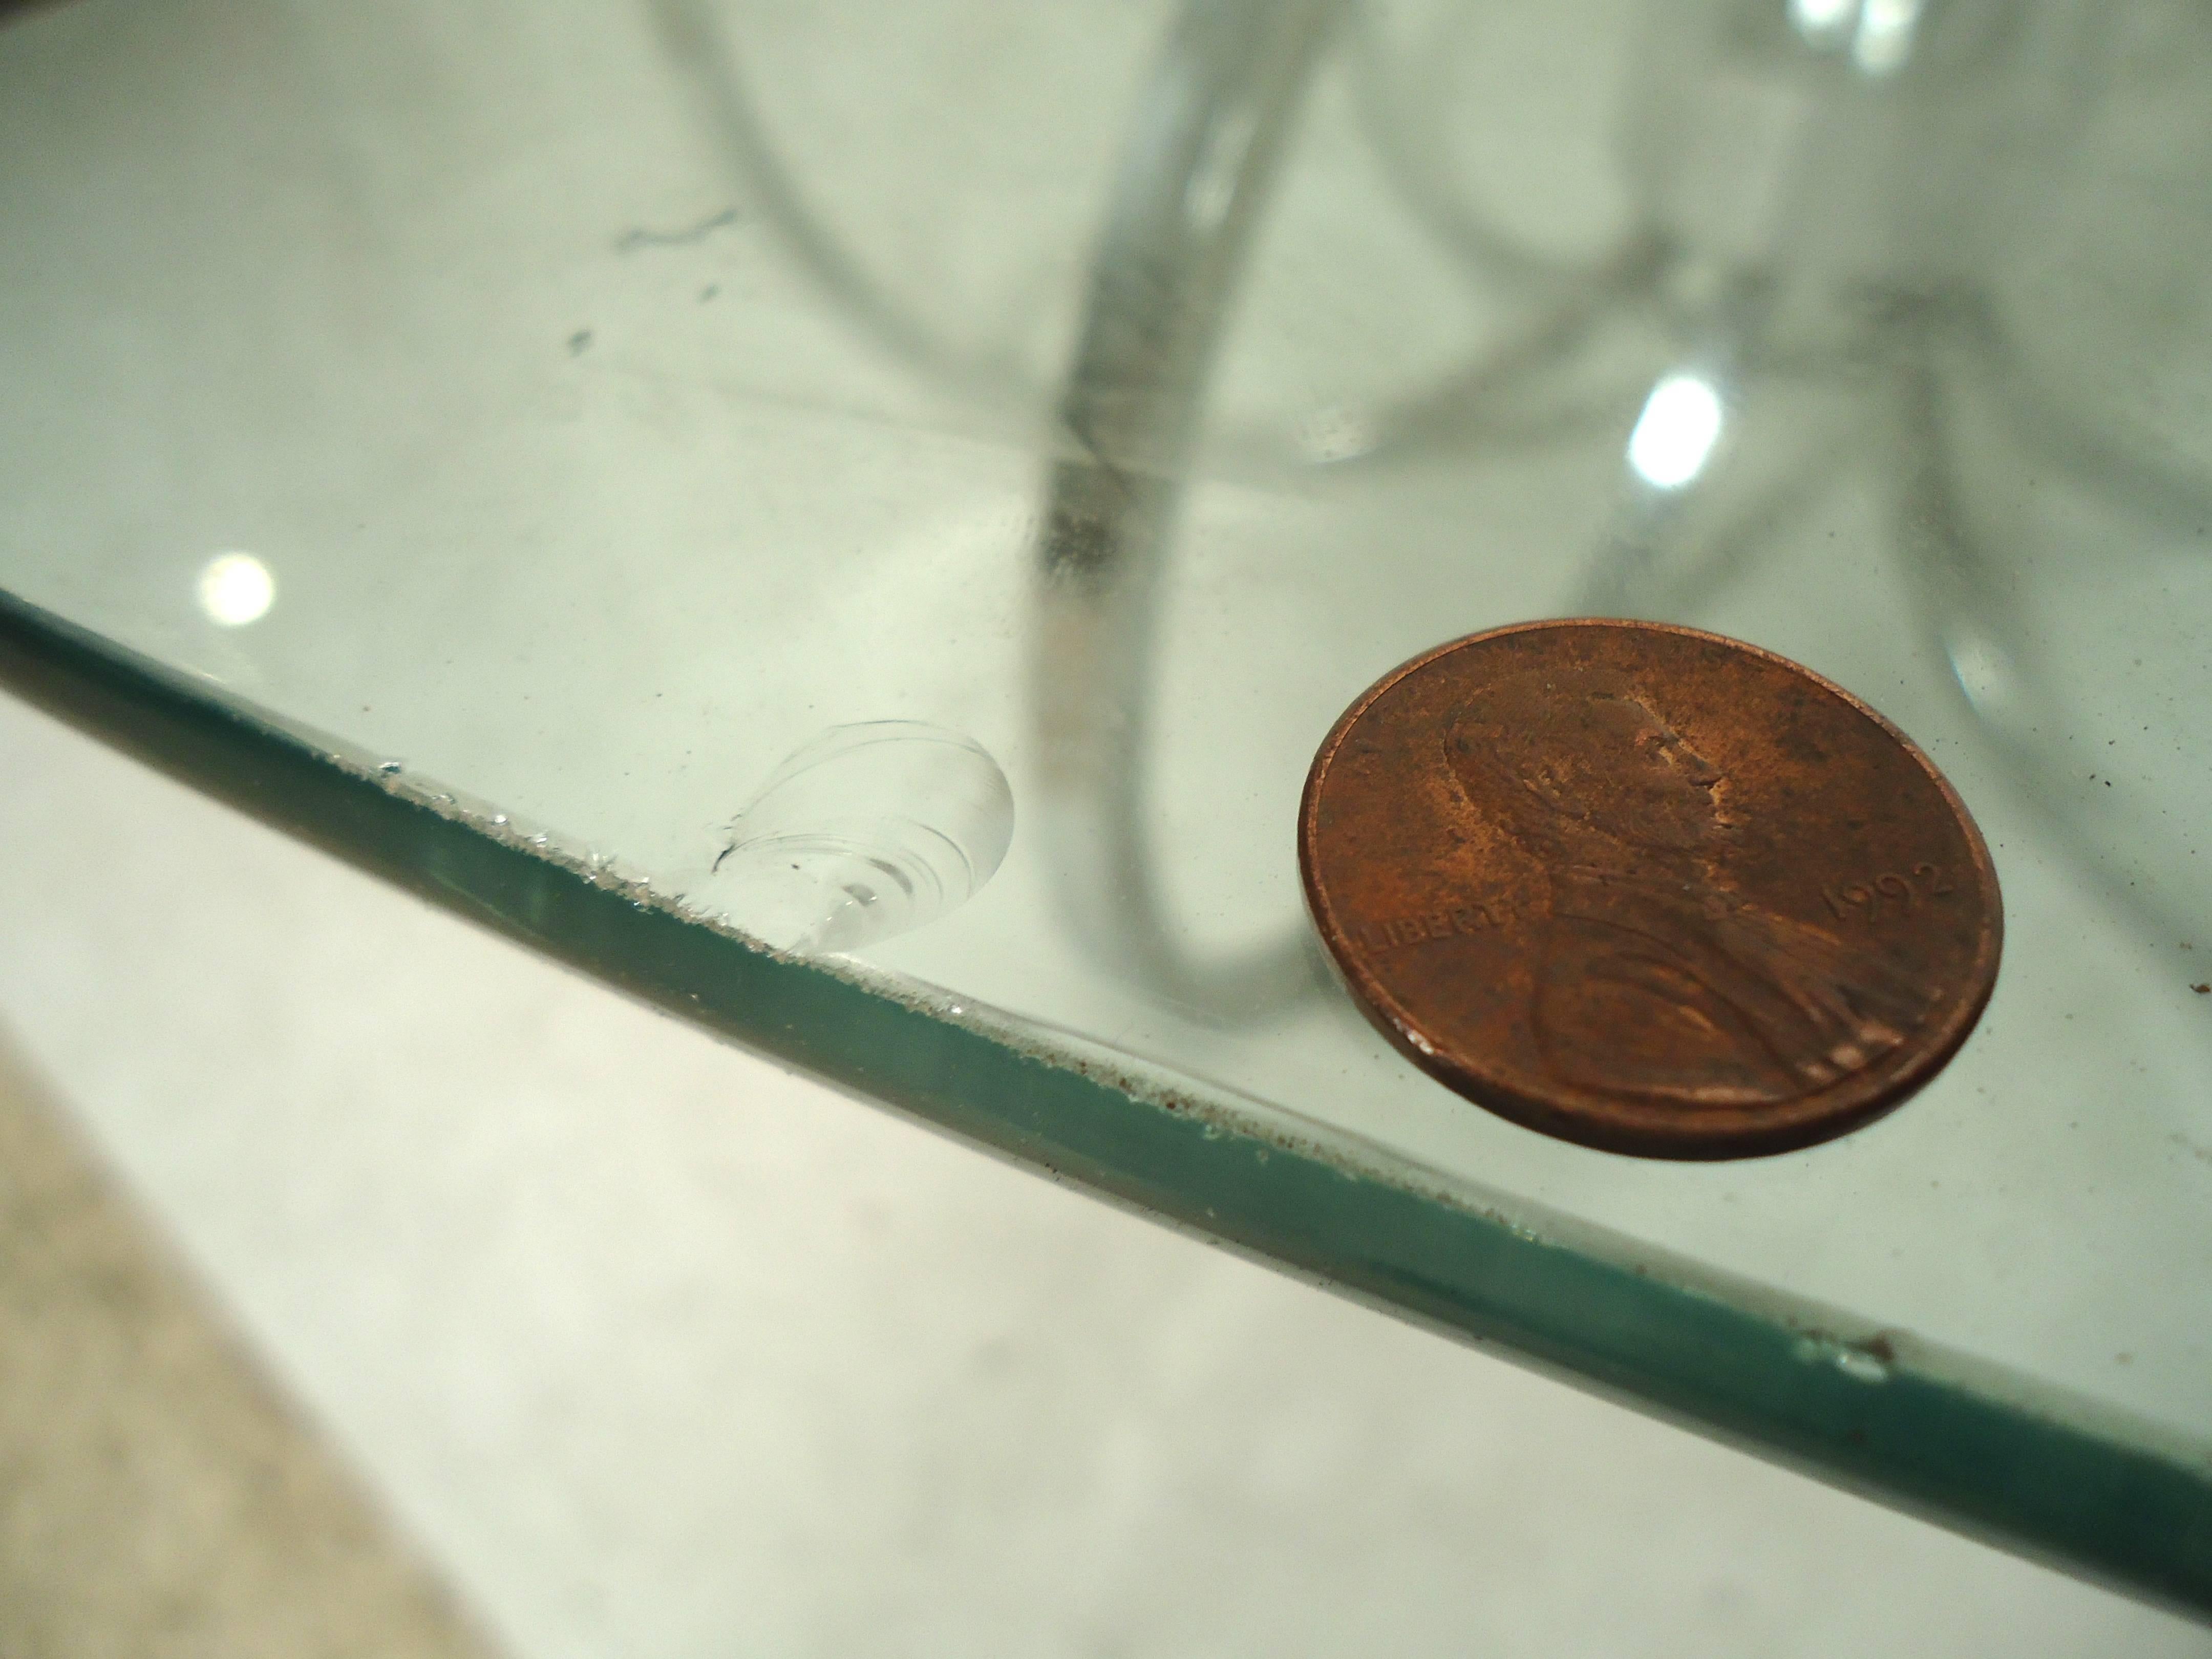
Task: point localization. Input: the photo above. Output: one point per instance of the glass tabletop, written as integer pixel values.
(851, 521)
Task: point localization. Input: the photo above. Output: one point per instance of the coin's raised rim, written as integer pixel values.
(1711, 1133)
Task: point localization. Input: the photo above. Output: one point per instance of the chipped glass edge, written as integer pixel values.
(2067, 1481)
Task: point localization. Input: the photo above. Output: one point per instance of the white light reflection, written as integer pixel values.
(1822, 22)
(1211, 186)
(235, 589)
(1885, 37)
(1985, 671)
(1676, 434)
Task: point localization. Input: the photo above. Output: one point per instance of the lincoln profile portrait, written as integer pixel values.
(1656, 980)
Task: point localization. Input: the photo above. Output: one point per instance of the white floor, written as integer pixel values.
(657, 1351)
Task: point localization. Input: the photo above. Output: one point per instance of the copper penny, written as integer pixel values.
(1648, 889)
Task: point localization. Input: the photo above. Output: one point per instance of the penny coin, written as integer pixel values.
(1648, 889)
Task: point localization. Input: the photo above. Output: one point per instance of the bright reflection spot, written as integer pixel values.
(235, 589)
(1674, 435)
(1821, 21)
(1211, 186)
(1984, 672)
(1885, 37)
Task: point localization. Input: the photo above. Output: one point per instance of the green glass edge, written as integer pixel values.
(2137, 1519)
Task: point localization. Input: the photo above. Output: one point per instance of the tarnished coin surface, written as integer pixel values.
(1648, 889)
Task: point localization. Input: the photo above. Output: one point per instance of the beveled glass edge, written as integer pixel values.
(2136, 1516)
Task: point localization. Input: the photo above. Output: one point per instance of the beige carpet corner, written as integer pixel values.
(157, 1495)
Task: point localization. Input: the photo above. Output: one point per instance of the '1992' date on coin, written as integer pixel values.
(1863, 900)
(1664, 980)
